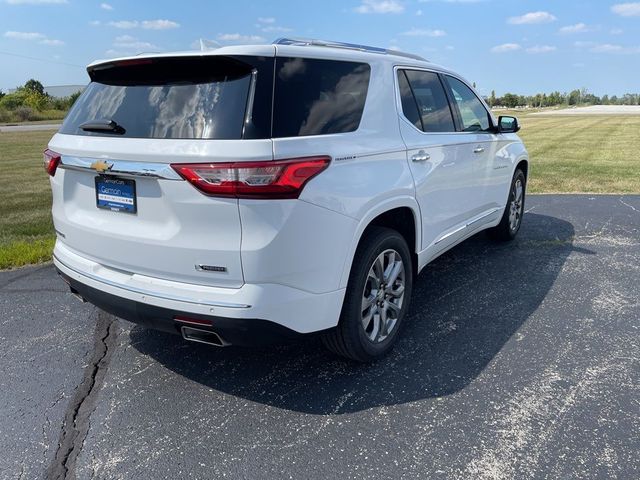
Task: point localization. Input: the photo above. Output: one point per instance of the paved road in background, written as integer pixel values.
(594, 110)
(30, 127)
(518, 360)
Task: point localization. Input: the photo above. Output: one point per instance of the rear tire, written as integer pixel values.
(511, 221)
(377, 297)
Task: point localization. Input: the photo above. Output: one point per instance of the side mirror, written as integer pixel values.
(508, 124)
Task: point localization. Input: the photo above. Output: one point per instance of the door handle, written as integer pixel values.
(421, 156)
(478, 150)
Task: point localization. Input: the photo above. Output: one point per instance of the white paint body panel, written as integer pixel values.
(287, 261)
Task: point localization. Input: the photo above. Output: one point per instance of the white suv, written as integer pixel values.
(251, 193)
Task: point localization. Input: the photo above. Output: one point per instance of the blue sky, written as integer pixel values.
(522, 46)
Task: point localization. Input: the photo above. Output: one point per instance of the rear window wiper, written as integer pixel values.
(103, 126)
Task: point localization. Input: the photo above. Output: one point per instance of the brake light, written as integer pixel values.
(51, 161)
(270, 179)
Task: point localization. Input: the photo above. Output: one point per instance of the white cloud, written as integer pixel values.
(131, 43)
(159, 24)
(613, 48)
(146, 24)
(422, 32)
(36, 2)
(266, 20)
(541, 49)
(606, 48)
(631, 9)
(275, 29)
(418, 13)
(106, 6)
(380, 6)
(577, 28)
(452, 1)
(95, 23)
(532, 18)
(125, 45)
(52, 42)
(239, 38)
(506, 47)
(616, 31)
(33, 37)
(124, 24)
(25, 35)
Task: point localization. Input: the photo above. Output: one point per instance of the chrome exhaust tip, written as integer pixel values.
(203, 336)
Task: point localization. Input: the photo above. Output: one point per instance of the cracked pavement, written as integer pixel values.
(518, 360)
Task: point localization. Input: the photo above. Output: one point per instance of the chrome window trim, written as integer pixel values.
(437, 72)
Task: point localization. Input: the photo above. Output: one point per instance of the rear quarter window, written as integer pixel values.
(318, 97)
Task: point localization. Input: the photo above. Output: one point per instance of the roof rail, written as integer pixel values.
(349, 46)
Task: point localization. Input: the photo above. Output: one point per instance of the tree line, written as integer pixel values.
(554, 99)
(31, 102)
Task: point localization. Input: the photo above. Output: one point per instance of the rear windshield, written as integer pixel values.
(221, 97)
(179, 98)
(318, 97)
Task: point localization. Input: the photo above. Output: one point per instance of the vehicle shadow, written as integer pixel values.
(466, 305)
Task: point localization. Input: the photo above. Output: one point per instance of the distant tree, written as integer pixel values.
(73, 97)
(492, 99)
(605, 100)
(2, 94)
(574, 97)
(34, 86)
(510, 100)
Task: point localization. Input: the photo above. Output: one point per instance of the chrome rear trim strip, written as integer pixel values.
(150, 293)
(122, 168)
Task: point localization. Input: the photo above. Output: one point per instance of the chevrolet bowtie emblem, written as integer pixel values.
(101, 166)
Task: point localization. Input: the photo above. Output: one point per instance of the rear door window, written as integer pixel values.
(318, 97)
(178, 98)
(433, 110)
(409, 105)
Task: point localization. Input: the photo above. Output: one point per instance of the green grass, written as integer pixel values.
(9, 117)
(581, 154)
(26, 229)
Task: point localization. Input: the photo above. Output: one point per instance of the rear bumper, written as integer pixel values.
(249, 311)
(233, 331)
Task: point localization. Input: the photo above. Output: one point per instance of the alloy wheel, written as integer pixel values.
(383, 296)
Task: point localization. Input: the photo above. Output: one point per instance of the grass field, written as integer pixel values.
(580, 154)
(595, 154)
(26, 230)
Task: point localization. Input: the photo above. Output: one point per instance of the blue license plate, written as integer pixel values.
(117, 194)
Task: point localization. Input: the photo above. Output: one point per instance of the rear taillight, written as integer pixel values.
(51, 161)
(270, 179)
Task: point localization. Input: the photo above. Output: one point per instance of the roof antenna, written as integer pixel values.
(208, 45)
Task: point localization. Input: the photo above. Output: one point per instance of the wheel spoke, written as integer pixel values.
(378, 269)
(366, 319)
(376, 327)
(518, 192)
(392, 306)
(369, 301)
(395, 271)
(397, 292)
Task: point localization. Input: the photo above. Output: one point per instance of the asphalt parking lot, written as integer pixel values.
(519, 360)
